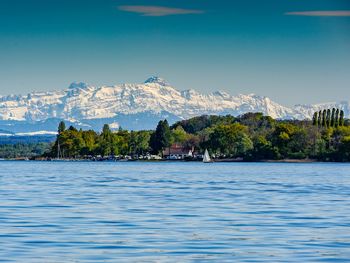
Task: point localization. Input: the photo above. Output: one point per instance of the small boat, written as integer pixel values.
(206, 157)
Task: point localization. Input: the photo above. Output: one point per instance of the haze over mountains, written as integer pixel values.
(134, 106)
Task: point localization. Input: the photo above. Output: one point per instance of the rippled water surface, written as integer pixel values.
(174, 212)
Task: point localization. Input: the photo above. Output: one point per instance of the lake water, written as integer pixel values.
(174, 212)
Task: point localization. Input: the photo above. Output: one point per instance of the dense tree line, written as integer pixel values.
(23, 150)
(251, 136)
(73, 143)
(22, 140)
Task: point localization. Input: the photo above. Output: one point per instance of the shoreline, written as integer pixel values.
(172, 161)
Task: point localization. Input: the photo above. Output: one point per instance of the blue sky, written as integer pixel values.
(294, 51)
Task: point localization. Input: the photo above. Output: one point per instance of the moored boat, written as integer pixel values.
(206, 157)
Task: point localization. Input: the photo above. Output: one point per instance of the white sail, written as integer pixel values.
(206, 158)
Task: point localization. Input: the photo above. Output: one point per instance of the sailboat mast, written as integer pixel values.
(58, 150)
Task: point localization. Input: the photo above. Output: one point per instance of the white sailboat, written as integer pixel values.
(206, 157)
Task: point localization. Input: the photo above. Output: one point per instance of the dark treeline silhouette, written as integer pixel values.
(251, 136)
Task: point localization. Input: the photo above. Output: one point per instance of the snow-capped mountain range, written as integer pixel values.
(134, 106)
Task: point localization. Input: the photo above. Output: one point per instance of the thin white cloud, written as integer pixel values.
(157, 10)
(321, 13)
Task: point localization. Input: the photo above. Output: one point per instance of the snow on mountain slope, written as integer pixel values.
(83, 102)
(37, 133)
(308, 110)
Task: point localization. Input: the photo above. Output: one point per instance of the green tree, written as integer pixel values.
(319, 118)
(300, 145)
(106, 141)
(344, 149)
(324, 118)
(337, 118)
(328, 118)
(142, 142)
(121, 142)
(333, 118)
(230, 140)
(179, 135)
(197, 124)
(72, 128)
(71, 143)
(281, 137)
(139, 142)
(315, 119)
(90, 141)
(61, 127)
(341, 118)
(161, 138)
(263, 150)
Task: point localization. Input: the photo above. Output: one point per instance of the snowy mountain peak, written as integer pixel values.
(222, 94)
(157, 80)
(78, 85)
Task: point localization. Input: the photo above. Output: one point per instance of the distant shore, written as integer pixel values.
(167, 160)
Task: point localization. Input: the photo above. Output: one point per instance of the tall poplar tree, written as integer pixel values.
(341, 118)
(333, 118)
(328, 118)
(337, 118)
(320, 118)
(315, 119)
(324, 118)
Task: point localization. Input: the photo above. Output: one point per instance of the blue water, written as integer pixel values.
(174, 212)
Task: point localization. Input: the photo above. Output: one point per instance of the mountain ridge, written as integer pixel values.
(84, 104)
